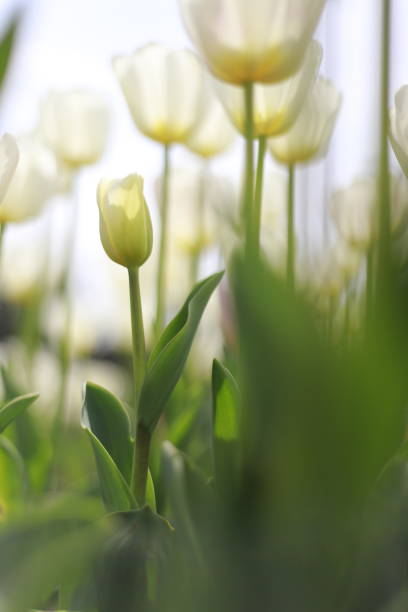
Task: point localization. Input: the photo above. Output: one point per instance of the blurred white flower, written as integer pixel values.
(34, 182)
(252, 40)
(8, 162)
(354, 210)
(163, 90)
(23, 267)
(399, 128)
(214, 133)
(75, 125)
(276, 106)
(310, 135)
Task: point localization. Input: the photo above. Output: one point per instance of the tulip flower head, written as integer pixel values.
(276, 106)
(34, 182)
(399, 128)
(252, 40)
(124, 221)
(75, 125)
(163, 90)
(309, 137)
(9, 156)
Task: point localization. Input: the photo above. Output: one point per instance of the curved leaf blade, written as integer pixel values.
(168, 358)
(14, 408)
(225, 403)
(105, 416)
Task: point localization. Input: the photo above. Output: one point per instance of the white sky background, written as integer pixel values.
(69, 43)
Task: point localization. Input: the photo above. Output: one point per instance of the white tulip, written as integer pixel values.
(163, 90)
(75, 125)
(399, 128)
(252, 40)
(276, 106)
(34, 182)
(310, 135)
(9, 155)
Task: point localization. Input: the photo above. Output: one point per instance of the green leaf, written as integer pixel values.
(14, 408)
(225, 403)
(168, 358)
(6, 47)
(150, 492)
(116, 493)
(105, 416)
(13, 479)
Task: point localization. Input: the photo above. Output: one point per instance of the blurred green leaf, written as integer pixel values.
(13, 479)
(14, 408)
(105, 416)
(150, 492)
(168, 357)
(6, 47)
(115, 491)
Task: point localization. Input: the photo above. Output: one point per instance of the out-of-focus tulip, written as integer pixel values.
(8, 162)
(75, 125)
(399, 128)
(214, 133)
(276, 106)
(163, 90)
(252, 41)
(354, 210)
(309, 137)
(34, 182)
(124, 221)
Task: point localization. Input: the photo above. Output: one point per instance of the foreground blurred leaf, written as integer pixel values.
(105, 416)
(115, 491)
(13, 479)
(168, 357)
(14, 408)
(6, 47)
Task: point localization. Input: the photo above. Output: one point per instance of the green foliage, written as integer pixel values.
(15, 408)
(7, 45)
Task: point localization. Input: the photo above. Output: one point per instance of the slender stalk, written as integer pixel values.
(248, 199)
(384, 243)
(138, 337)
(142, 438)
(291, 246)
(369, 283)
(164, 220)
(259, 193)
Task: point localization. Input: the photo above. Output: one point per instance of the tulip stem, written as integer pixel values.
(138, 337)
(248, 200)
(164, 218)
(291, 246)
(258, 193)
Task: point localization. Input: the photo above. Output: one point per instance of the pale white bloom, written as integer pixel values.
(34, 182)
(399, 127)
(8, 162)
(214, 133)
(276, 106)
(163, 90)
(309, 137)
(75, 125)
(252, 40)
(354, 210)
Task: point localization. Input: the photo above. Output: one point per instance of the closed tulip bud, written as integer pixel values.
(399, 128)
(124, 221)
(34, 182)
(276, 106)
(75, 125)
(252, 40)
(309, 137)
(8, 162)
(163, 90)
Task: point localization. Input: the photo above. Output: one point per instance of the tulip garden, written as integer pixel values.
(233, 436)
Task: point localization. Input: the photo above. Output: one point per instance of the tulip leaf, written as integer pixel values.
(14, 408)
(105, 416)
(13, 479)
(225, 403)
(6, 47)
(169, 356)
(150, 492)
(115, 491)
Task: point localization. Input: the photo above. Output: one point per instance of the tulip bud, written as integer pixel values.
(124, 221)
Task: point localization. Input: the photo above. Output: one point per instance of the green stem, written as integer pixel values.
(258, 193)
(291, 246)
(138, 338)
(142, 438)
(384, 243)
(164, 219)
(369, 283)
(248, 200)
